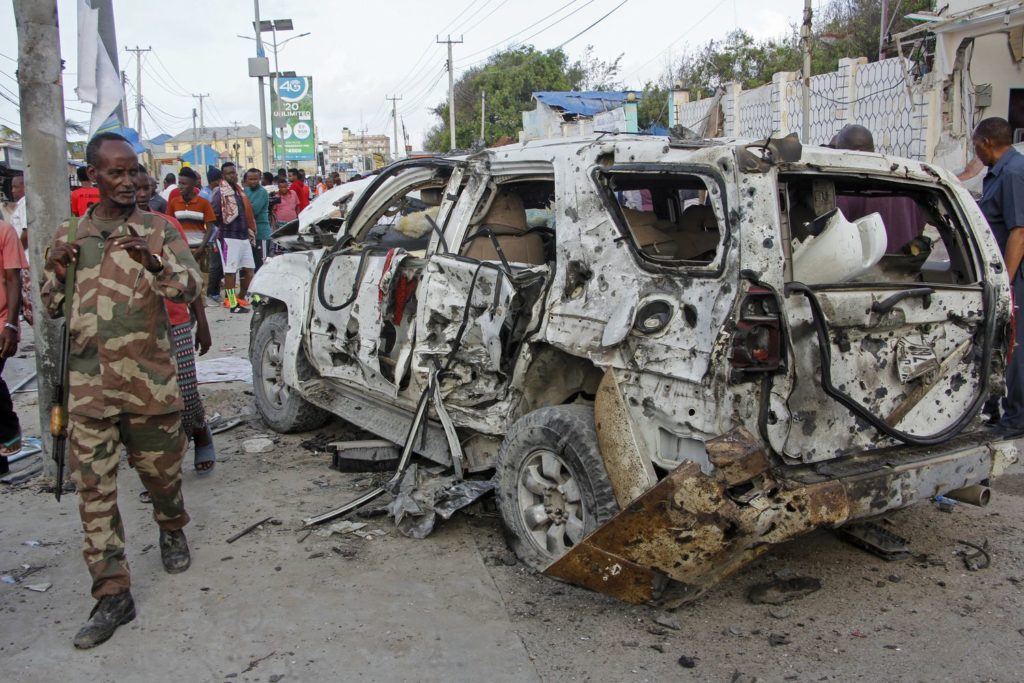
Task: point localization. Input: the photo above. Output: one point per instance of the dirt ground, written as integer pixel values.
(278, 605)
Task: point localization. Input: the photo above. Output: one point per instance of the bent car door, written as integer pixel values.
(363, 308)
(891, 310)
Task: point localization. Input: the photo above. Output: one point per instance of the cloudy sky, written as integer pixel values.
(358, 53)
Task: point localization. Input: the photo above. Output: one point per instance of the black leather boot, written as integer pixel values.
(174, 551)
(110, 612)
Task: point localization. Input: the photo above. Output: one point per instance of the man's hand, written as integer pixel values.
(203, 338)
(62, 256)
(138, 249)
(8, 342)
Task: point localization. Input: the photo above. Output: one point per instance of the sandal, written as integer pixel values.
(205, 457)
(12, 446)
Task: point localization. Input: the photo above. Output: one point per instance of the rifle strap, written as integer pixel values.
(69, 276)
(69, 292)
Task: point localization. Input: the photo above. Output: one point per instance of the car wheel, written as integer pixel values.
(281, 408)
(552, 486)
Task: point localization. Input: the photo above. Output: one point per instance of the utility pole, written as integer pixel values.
(882, 29)
(263, 96)
(138, 84)
(124, 100)
(201, 97)
(202, 127)
(483, 108)
(451, 86)
(805, 45)
(47, 195)
(394, 117)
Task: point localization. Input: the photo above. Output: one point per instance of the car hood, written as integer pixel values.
(331, 204)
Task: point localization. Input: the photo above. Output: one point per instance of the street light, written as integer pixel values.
(276, 46)
(261, 26)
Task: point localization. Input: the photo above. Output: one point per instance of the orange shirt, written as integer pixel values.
(193, 216)
(11, 256)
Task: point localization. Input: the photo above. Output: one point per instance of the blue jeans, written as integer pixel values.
(1013, 401)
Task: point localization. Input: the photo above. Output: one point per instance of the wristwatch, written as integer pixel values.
(11, 326)
(159, 265)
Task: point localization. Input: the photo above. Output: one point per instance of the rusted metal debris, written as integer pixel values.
(691, 530)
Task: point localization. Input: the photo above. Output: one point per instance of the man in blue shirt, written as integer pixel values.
(260, 200)
(1002, 202)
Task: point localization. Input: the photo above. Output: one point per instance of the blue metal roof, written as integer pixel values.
(195, 156)
(583, 103)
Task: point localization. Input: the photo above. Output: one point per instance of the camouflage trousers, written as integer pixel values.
(155, 445)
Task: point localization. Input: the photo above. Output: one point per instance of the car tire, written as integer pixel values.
(281, 408)
(551, 483)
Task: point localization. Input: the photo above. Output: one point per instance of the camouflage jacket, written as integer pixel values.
(121, 360)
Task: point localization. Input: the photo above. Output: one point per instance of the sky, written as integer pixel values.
(358, 54)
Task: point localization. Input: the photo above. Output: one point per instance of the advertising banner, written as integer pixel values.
(291, 105)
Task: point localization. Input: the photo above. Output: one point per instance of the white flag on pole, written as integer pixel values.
(99, 81)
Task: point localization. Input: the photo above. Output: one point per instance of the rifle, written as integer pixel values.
(59, 410)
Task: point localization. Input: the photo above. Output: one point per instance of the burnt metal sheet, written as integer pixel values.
(623, 450)
(690, 529)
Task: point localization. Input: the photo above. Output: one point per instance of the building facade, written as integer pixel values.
(360, 149)
(240, 144)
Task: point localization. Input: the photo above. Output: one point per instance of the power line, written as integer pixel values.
(684, 34)
(486, 16)
(16, 104)
(610, 12)
(414, 103)
(479, 8)
(522, 30)
(152, 73)
(169, 72)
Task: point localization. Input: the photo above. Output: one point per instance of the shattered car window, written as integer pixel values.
(845, 229)
(405, 221)
(671, 218)
(515, 223)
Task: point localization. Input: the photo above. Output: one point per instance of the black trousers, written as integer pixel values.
(9, 425)
(216, 273)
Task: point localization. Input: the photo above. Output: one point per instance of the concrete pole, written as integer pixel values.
(124, 100)
(451, 88)
(483, 109)
(805, 44)
(394, 119)
(881, 29)
(263, 96)
(138, 86)
(47, 194)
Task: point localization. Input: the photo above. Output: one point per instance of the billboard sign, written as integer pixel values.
(291, 105)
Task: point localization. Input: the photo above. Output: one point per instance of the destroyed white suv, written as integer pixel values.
(731, 343)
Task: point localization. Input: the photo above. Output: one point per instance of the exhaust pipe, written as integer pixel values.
(973, 495)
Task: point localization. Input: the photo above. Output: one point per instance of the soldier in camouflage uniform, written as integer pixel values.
(122, 383)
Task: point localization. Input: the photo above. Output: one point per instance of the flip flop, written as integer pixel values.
(205, 455)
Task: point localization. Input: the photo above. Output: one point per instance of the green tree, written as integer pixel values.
(849, 28)
(841, 28)
(509, 79)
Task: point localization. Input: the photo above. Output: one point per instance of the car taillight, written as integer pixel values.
(757, 343)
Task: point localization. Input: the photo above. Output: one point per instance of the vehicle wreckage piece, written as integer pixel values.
(695, 529)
